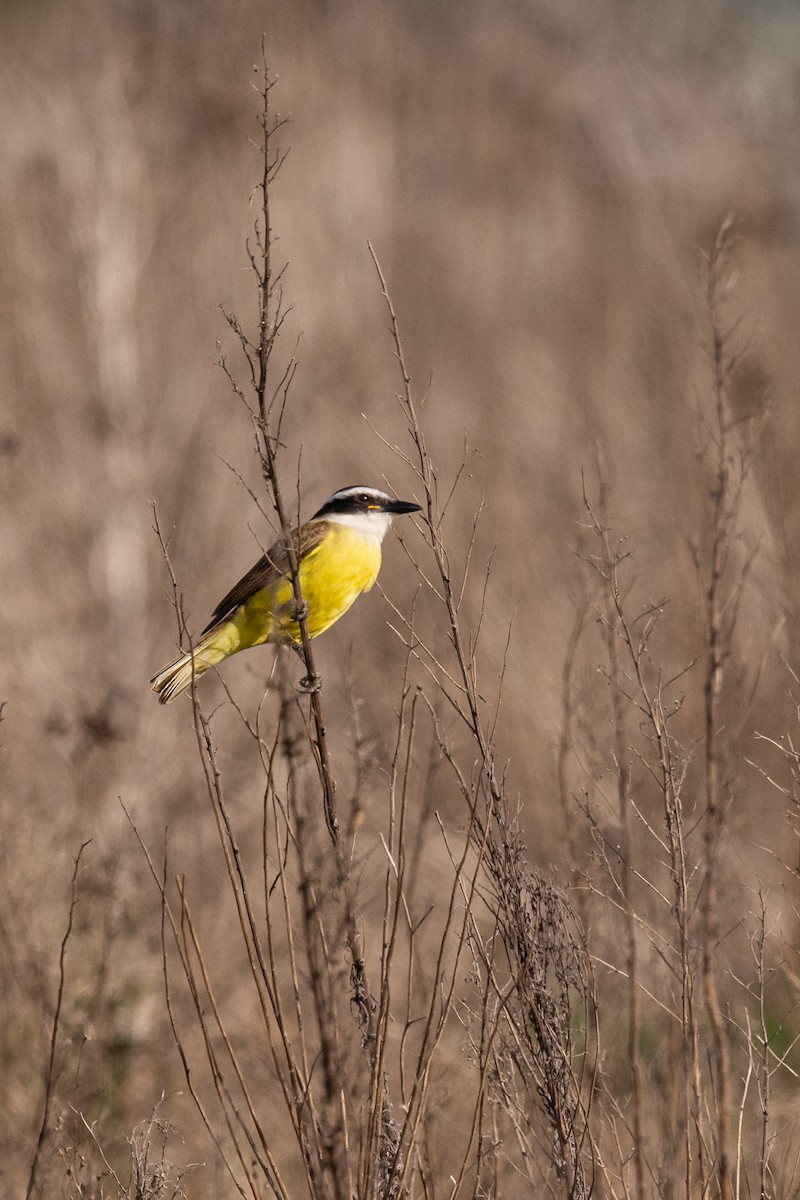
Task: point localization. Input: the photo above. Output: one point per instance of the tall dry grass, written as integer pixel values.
(536, 182)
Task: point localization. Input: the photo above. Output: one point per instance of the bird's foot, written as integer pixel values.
(301, 613)
(311, 684)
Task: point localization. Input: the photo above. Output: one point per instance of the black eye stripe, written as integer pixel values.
(352, 501)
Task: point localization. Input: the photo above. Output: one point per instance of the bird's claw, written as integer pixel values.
(311, 684)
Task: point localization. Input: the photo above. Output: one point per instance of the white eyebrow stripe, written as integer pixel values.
(352, 492)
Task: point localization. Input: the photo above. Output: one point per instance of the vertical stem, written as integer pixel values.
(764, 1088)
(715, 647)
(270, 319)
(50, 1076)
(626, 881)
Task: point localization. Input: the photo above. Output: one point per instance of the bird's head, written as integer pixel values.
(366, 509)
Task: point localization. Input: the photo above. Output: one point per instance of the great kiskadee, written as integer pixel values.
(339, 556)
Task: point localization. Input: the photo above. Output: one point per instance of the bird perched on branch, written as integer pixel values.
(338, 554)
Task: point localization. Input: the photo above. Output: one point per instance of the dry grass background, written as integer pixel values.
(536, 179)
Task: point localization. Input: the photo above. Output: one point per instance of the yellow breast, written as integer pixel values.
(331, 577)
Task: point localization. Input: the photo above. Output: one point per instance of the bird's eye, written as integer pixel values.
(363, 498)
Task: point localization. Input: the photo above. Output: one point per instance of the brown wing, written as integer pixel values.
(269, 568)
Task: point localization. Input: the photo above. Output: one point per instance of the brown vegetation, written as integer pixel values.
(545, 941)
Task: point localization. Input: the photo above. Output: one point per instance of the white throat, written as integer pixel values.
(372, 525)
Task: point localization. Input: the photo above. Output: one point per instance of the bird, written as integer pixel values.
(338, 552)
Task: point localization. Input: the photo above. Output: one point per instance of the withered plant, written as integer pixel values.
(362, 1004)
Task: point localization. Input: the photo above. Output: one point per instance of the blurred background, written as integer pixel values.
(538, 180)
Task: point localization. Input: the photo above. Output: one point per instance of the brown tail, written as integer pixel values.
(177, 676)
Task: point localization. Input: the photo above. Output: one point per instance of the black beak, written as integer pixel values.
(401, 506)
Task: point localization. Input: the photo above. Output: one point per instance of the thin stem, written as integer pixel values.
(50, 1074)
